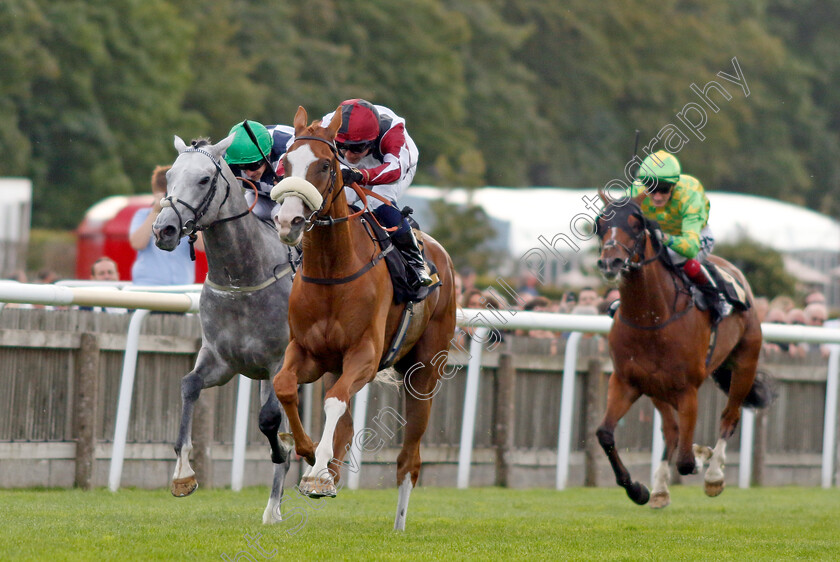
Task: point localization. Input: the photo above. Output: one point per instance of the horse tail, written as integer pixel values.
(762, 393)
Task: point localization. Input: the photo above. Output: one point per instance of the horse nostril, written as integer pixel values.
(168, 231)
(616, 263)
(297, 221)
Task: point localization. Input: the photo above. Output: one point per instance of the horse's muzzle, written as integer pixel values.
(289, 221)
(166, 234)
(610, 268)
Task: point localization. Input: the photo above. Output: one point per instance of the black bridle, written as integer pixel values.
(635, 259)
(191, 227)
(636, 255)
(317, 218)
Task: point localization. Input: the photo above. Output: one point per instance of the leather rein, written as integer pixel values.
(191, 228)
(317, 219)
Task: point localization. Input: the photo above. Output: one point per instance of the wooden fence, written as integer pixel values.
(60, 374)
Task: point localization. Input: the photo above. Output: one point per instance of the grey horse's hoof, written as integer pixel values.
(183, 487)
(315, 487)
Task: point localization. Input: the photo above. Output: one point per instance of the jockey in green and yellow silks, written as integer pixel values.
(679, 204)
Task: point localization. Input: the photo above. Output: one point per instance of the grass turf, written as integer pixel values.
(480, 523)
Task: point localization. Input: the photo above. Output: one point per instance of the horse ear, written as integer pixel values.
(603, 196)
(221, 147)
(335, 122)
(180, 145)
(300, 120)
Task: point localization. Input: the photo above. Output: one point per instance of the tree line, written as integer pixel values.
(495, 92)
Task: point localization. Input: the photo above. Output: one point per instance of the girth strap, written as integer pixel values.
(268, 282)
(341, 280)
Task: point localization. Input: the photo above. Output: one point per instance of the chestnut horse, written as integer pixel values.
(660, 343)
(342, 317)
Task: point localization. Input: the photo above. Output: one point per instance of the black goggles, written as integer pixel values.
(655, 186)
(252, 167)
(357, 147)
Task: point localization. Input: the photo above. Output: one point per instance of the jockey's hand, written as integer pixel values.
(351, 176)
(661, 236)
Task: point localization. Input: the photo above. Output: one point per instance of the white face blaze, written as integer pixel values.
(297, 164)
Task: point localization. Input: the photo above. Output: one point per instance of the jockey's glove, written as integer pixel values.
(351, 176)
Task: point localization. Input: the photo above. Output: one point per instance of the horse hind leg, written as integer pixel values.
(420, 387)
(739, 374)
(183, 480)
(714, 479)
(282, 444)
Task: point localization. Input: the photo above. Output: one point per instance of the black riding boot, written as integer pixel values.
(407, 244)
(703, 281)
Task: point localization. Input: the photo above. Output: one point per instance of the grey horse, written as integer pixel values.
(244, 302)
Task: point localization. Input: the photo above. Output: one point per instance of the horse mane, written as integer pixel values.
(199, 142)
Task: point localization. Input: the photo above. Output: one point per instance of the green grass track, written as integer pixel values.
(477, 524)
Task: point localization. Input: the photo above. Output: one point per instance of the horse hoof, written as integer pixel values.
(183, 487)
(287, 442)
(272, 514)
(638, 493)
(660, 500)
(315, 487)
(714, 489)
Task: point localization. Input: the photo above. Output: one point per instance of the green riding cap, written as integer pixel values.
(243, 150)
(660, 166)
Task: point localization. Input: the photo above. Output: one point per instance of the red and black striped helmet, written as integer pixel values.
(359, 123)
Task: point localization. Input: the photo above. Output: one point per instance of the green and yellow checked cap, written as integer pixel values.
(660, 166)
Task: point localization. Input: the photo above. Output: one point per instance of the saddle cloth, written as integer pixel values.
(403, 292)
(729, 286)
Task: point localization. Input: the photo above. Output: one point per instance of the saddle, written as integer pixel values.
(729, 287)
(403, 292)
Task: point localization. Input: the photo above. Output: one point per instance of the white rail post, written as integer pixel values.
(240, 433)
(132, 346)
(830, 422)
(564, 439)
(360, 405)
(470, 402)
(657, 448)
(746, 453)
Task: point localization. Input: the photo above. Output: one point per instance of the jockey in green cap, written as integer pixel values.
(679, 204)
(256, 155)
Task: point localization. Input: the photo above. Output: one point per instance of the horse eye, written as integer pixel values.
(204, 181)
(325, 166)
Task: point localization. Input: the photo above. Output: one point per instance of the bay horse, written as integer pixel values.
(244, 301)
(342, 315)
(660, 342)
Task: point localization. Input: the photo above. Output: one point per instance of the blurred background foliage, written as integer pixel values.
(495, 92)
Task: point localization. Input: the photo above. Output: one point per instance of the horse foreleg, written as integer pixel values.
(282, 444)
(660, 494)
(286, 388)
(358, 368)
(620, 396)
(687, 411)
(183, 480)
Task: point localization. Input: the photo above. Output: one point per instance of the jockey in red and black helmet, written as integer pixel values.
(383, 158)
